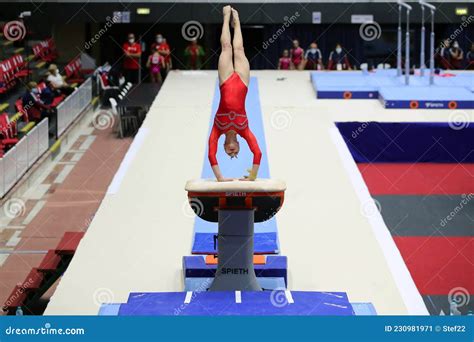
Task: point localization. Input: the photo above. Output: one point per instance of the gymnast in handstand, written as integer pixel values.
(231, 118)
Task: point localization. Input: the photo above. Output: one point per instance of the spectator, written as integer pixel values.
(57, 80)
(296, 54)
(34, 107)
(284, 63)
(48, 94)
(470, 58)
(165, 52)
(444, 57)
(131, 64)
(338, 59)
(313, 58)
(194, 54)
(155, 63)
(457, 56)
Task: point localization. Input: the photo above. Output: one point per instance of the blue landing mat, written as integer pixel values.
(426, 97)
(264, 243)
(203, 284)
(275, 266)
(223, 303)
(408, 142)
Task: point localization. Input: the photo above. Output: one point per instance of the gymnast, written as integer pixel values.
(231, 118)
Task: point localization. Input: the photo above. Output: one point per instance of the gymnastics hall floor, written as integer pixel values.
(143, 228)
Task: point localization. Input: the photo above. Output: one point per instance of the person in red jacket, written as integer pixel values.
(231, 118)
(131, 62)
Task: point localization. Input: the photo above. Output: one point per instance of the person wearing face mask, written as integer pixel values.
(297, 55)
(155, 63)
(313, 58)
(131, 63)
(338, 59)
(164, 50)
(34, 107)
(457, 56)
(470, 58)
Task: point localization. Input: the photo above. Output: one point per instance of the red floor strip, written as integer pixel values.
(439, 264)
(418, 179)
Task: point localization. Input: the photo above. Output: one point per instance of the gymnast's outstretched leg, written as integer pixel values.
(225, 66)
(241, 63)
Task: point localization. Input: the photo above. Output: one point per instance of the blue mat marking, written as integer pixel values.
(238, 167)
(201, 284)
(195, 266)
(264, 243)
(436, 142)
(223, 303)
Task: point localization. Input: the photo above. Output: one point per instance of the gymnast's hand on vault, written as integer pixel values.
(224, 179)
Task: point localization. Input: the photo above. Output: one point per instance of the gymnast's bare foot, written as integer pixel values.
(226, 10)
(235, 17)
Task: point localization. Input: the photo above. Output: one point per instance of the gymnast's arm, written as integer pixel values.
(257, 154)
(213, 139)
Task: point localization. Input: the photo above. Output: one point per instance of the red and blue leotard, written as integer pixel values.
(231, 116)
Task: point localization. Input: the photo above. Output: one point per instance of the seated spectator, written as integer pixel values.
(48, 94)
(297, 55)
(470, 58)
(313, 58)
(457, 56)
(284, 63)
(34, 107)
(57, 80)
(155, 63)
(338, 59)
(194, 54)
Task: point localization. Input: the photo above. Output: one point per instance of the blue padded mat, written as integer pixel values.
(408, 142)
(201, 284)
(223, 303)
(195, 266)
(264, 243)
(434, 97)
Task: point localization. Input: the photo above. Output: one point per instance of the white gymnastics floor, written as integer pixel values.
(143, 227)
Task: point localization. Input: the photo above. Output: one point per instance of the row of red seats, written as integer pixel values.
(41, 278)
(12, 70)
(8, 133)
(45, 50)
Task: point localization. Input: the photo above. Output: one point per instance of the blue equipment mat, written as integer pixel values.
(223, 303)
(275, 266)
(264, 243)
(202, 284)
